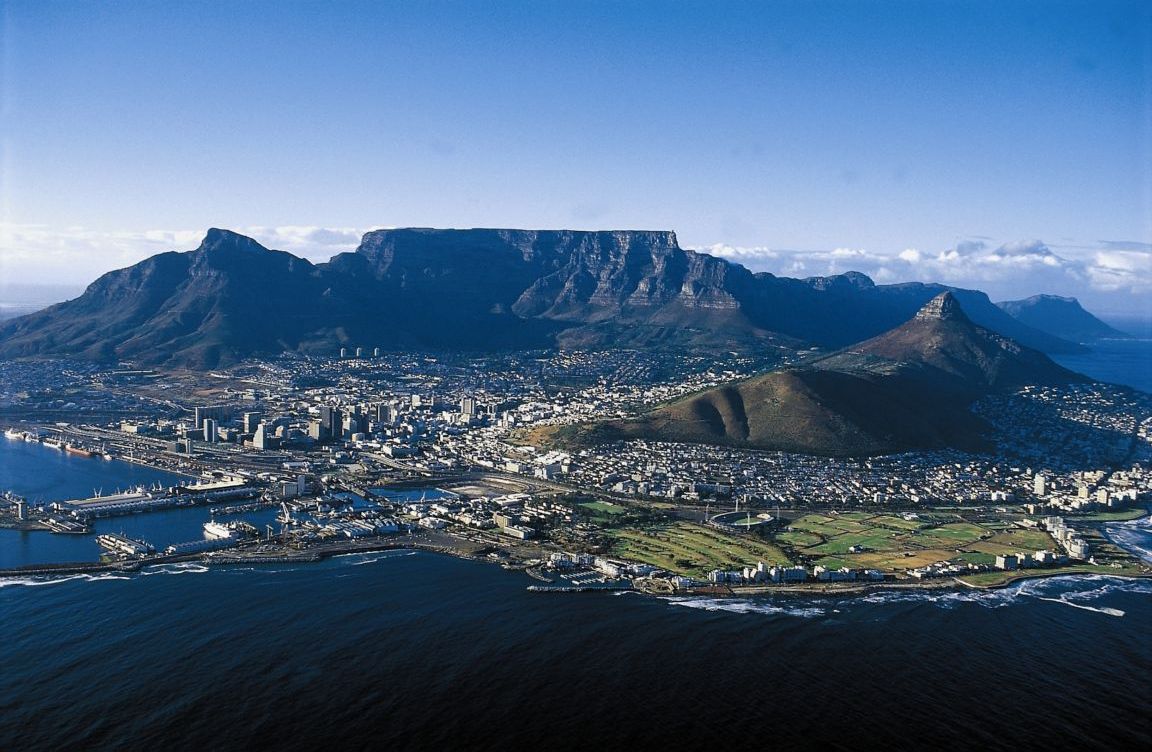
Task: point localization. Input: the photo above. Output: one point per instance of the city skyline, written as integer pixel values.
(996, 146)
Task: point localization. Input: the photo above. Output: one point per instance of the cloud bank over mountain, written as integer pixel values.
(1108, 276)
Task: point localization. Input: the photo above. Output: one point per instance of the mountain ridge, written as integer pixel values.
(1061, 317)
(478, 289)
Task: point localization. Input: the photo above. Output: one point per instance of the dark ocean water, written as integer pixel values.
(405, 650)
(417, 651)
(1116, 361)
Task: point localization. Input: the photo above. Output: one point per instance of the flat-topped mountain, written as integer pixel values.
(477, 290)
(906, 389)
(1060, 317)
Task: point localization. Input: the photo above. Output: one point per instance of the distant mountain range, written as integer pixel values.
(1060, 317)
(480, 289)
(909, 388)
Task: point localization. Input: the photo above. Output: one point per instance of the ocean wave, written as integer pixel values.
(187, 567)
(1108, 610)
(947, 599)
(1076, 591)
(1134, 536)
(41, 580)
(747, 606)
(234, 568)
(371, 557)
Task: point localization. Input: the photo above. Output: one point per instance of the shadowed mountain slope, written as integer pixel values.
(478, 290)
(906, 389)
(1060, 317)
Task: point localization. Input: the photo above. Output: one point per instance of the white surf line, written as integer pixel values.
(1104, 610)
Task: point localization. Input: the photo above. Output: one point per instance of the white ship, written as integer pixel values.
(12, 433)
(214, 530)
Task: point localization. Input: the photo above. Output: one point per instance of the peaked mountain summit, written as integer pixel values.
(909, 388)
(472, 290)
(940, 343)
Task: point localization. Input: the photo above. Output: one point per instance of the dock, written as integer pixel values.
(66, 526)
(122, 544)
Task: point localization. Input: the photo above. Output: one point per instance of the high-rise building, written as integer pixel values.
(260, 438)
(251, 420)
(331, 423)
(1039, 485)
(468, 406)
(355, 421)
(218, 413)
(210, 433)
(359, 352)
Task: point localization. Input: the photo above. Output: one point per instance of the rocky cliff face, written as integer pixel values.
(464, 289)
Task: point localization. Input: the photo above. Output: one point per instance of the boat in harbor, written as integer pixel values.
(234, 530)
(54, 443)
(214, 530)
(78, 450)
(13, 434)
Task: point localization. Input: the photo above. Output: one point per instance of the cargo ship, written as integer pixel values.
(79, 451)
(54, 443)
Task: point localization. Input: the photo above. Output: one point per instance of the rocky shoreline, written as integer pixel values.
(476, 552)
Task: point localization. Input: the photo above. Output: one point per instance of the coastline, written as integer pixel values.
(480, 554)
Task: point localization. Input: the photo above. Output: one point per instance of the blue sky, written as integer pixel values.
(1003, 145)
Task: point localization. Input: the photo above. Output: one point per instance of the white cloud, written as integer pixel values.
(740, 254)
(77, 255)
(310, 241)
(1122, 270)
(1022, 248)
(1010, 270)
